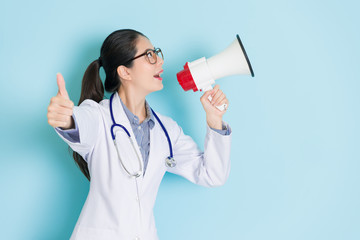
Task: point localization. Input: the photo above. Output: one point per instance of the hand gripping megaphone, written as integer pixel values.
(201, 73)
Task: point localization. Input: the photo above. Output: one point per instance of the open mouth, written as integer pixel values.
(157, 76)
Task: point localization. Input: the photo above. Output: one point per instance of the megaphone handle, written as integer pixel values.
(220, 107)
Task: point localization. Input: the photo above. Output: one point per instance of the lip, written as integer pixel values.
(159, 78)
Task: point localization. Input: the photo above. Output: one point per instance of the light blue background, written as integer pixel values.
(295, 153)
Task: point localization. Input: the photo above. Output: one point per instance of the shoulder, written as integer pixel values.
(90, 109)
(91, 104)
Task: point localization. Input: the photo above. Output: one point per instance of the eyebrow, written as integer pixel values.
(148, 49)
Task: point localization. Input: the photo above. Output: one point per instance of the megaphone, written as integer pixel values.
(202, 73)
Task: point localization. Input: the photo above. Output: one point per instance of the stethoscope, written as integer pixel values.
(169, 161)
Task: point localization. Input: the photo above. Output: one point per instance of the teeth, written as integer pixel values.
(157, 75)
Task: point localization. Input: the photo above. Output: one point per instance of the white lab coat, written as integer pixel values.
(119, 207)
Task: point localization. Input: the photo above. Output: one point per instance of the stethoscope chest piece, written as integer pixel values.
(170, 162)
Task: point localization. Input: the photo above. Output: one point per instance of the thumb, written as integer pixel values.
(206, 97)
(208, 93)
(61, 84)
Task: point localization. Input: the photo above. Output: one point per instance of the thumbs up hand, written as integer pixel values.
(60, 109)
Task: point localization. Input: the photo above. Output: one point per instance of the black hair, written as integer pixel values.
(117, 49)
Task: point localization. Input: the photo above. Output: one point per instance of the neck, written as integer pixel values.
(134, 102)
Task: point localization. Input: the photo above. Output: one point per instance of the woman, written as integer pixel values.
(125, 176)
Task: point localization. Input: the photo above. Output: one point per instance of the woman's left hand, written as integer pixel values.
(213, 114)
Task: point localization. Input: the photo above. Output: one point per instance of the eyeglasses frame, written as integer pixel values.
(155, 51)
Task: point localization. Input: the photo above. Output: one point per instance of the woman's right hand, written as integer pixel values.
(60, 109)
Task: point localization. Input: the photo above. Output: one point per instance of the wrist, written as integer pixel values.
(214, 122)
(69, 125)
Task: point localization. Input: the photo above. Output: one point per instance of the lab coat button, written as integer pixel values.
(136, 238)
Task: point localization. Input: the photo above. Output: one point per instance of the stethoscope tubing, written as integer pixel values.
(170, 162)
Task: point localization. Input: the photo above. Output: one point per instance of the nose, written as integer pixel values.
(160, 61)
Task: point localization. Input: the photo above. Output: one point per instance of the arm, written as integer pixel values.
(77, 126)
(72, 134)
(211, 167)
(83, 136)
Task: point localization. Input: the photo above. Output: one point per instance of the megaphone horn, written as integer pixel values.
(202, 73)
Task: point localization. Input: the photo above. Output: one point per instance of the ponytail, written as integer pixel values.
(91, 88)
(117, 49)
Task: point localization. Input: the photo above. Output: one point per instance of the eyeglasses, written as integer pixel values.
(150, 55)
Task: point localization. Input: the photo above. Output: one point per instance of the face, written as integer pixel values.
(144, 76)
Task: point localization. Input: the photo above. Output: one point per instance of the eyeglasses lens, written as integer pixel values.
(152, 55)
(159, 53)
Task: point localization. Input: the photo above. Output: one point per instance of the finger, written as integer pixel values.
(220, 100)
(60, 110)
(215, 90)
(205, 96)
(226, 102)
(55, 123)
(61, 85)
(59, 120)
(216, 87)
(216, 97)
(60, 101)
(58, 117)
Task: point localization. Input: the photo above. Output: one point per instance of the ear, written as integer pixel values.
(123, 72)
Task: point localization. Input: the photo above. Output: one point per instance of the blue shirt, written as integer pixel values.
(141, 130)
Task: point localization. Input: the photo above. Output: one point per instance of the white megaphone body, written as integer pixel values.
(202, 73)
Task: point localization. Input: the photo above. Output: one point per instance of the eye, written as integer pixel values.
(150, 54)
